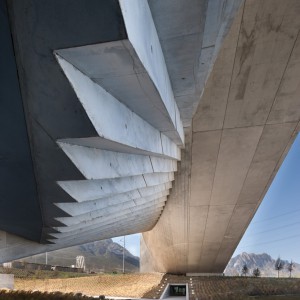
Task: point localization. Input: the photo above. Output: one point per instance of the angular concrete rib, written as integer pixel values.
(96, 213)
(127, 221)
(103, 215)
(138, 20)
(82, 193)
(117, 228)
(103, 109)
(105, 144)
(126, 92)
(133, 72)
(75, 209)
(100, 164)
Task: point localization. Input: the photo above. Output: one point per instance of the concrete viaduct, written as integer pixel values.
(169, 118)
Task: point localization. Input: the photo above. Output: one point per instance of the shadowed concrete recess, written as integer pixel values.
(169, 118)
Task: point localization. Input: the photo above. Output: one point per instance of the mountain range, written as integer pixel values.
(105, 256)
(264, 262)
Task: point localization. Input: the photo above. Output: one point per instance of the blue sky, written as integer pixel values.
(132, 243)
(275, 228)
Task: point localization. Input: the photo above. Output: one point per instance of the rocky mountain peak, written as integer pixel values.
(263, 261)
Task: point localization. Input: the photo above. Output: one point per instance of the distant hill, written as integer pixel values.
(264, 262)
(99, 256)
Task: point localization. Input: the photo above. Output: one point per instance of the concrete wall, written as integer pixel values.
(7, 281)
(18, 188)
(246, 121)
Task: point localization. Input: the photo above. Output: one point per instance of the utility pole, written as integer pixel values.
(124, 256)
(46, 258)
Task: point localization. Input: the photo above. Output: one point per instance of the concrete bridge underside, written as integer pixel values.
(169, 118)
(246, 120)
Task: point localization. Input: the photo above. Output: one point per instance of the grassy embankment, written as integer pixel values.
(152, 285)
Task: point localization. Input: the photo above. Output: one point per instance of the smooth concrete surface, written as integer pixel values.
(18, 187)
(201, 25)
(7, 281)
(246, 120)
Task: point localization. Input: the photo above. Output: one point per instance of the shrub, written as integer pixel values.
(18, 295)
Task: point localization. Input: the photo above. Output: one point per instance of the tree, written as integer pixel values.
(279, 265)
(245, 270)
(256, 272)
(290, 267)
